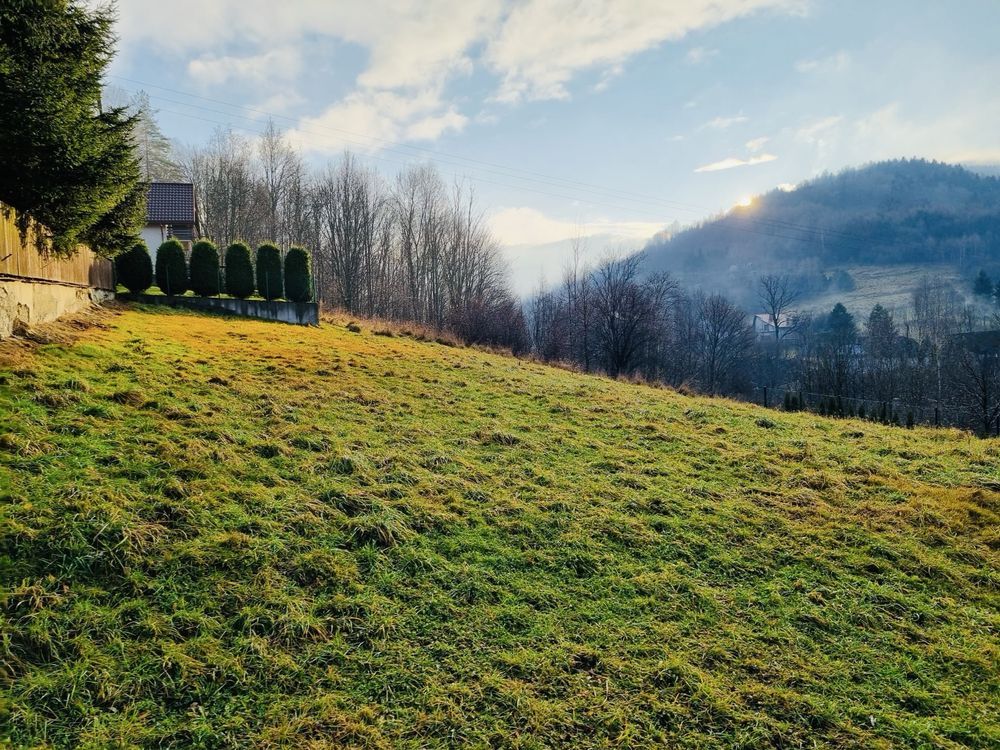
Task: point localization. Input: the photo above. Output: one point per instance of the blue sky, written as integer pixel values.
(602, 118)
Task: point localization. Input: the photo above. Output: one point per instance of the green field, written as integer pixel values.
(224, 533)
(892, 287)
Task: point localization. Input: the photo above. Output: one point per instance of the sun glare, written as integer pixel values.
(745, 201)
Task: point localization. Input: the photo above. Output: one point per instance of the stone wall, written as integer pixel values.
(28, 303)
(298, 313)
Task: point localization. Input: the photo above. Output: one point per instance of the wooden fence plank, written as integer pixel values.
(19, 258)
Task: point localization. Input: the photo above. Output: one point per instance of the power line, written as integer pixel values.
(510, 172)
(760, 231)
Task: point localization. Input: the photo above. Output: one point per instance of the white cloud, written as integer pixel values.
(522, 225)
(535, 48)
(814, 130)
(721, 123)
(756, 144)
(698, 55)
(608, 76)
(732, 162)
(279, 103)
(833, 64)
(364, 120)
(955, 136)
(539, 247)
(542, 44)
(278, 64)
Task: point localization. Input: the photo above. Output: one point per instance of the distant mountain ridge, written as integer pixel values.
(894, 212)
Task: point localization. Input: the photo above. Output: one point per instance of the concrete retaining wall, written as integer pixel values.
(28, 303)
(298, 313)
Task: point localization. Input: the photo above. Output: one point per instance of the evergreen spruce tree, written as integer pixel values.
(171, 269)
(152, 148)
(205, 269)
(239, 271)
(269, 278)
(134, 268)
(64, 161)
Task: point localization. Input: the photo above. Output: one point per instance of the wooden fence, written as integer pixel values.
(20, 259)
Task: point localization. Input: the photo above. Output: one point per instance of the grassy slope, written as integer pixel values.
(221, 533)
(892, 287)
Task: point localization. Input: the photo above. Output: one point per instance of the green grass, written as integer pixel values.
(223, 533)
(154, 291)
(891, 286)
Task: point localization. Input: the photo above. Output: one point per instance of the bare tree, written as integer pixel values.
(974, 375)
(777, 296)
(726, 341)
(278, 165)
(628, 313)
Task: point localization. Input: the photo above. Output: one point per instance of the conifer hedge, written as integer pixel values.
(171, 268)
(239, 271)
(205, 269)
(134, 268)
(269, 279)
(298, 275)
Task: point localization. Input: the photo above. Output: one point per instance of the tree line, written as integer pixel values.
(617, 320)
(934, 364)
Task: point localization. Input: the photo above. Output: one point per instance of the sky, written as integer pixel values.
(603, 120)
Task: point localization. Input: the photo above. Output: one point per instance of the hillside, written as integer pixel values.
(224, 533)
(940, 217)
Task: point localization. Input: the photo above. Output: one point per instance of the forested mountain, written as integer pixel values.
(894, 212)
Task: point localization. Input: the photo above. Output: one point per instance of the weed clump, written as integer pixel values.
(382, 528)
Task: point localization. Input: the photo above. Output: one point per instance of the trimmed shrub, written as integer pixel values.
(269, 282)
(239, 271)
(298, 275)
(135, 268)
(171, 268)
(205, 269)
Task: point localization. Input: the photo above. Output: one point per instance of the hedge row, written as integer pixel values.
(206, 278)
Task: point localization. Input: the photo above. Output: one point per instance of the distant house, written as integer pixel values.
(981, 343)
(171, 212)
(763, 325)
